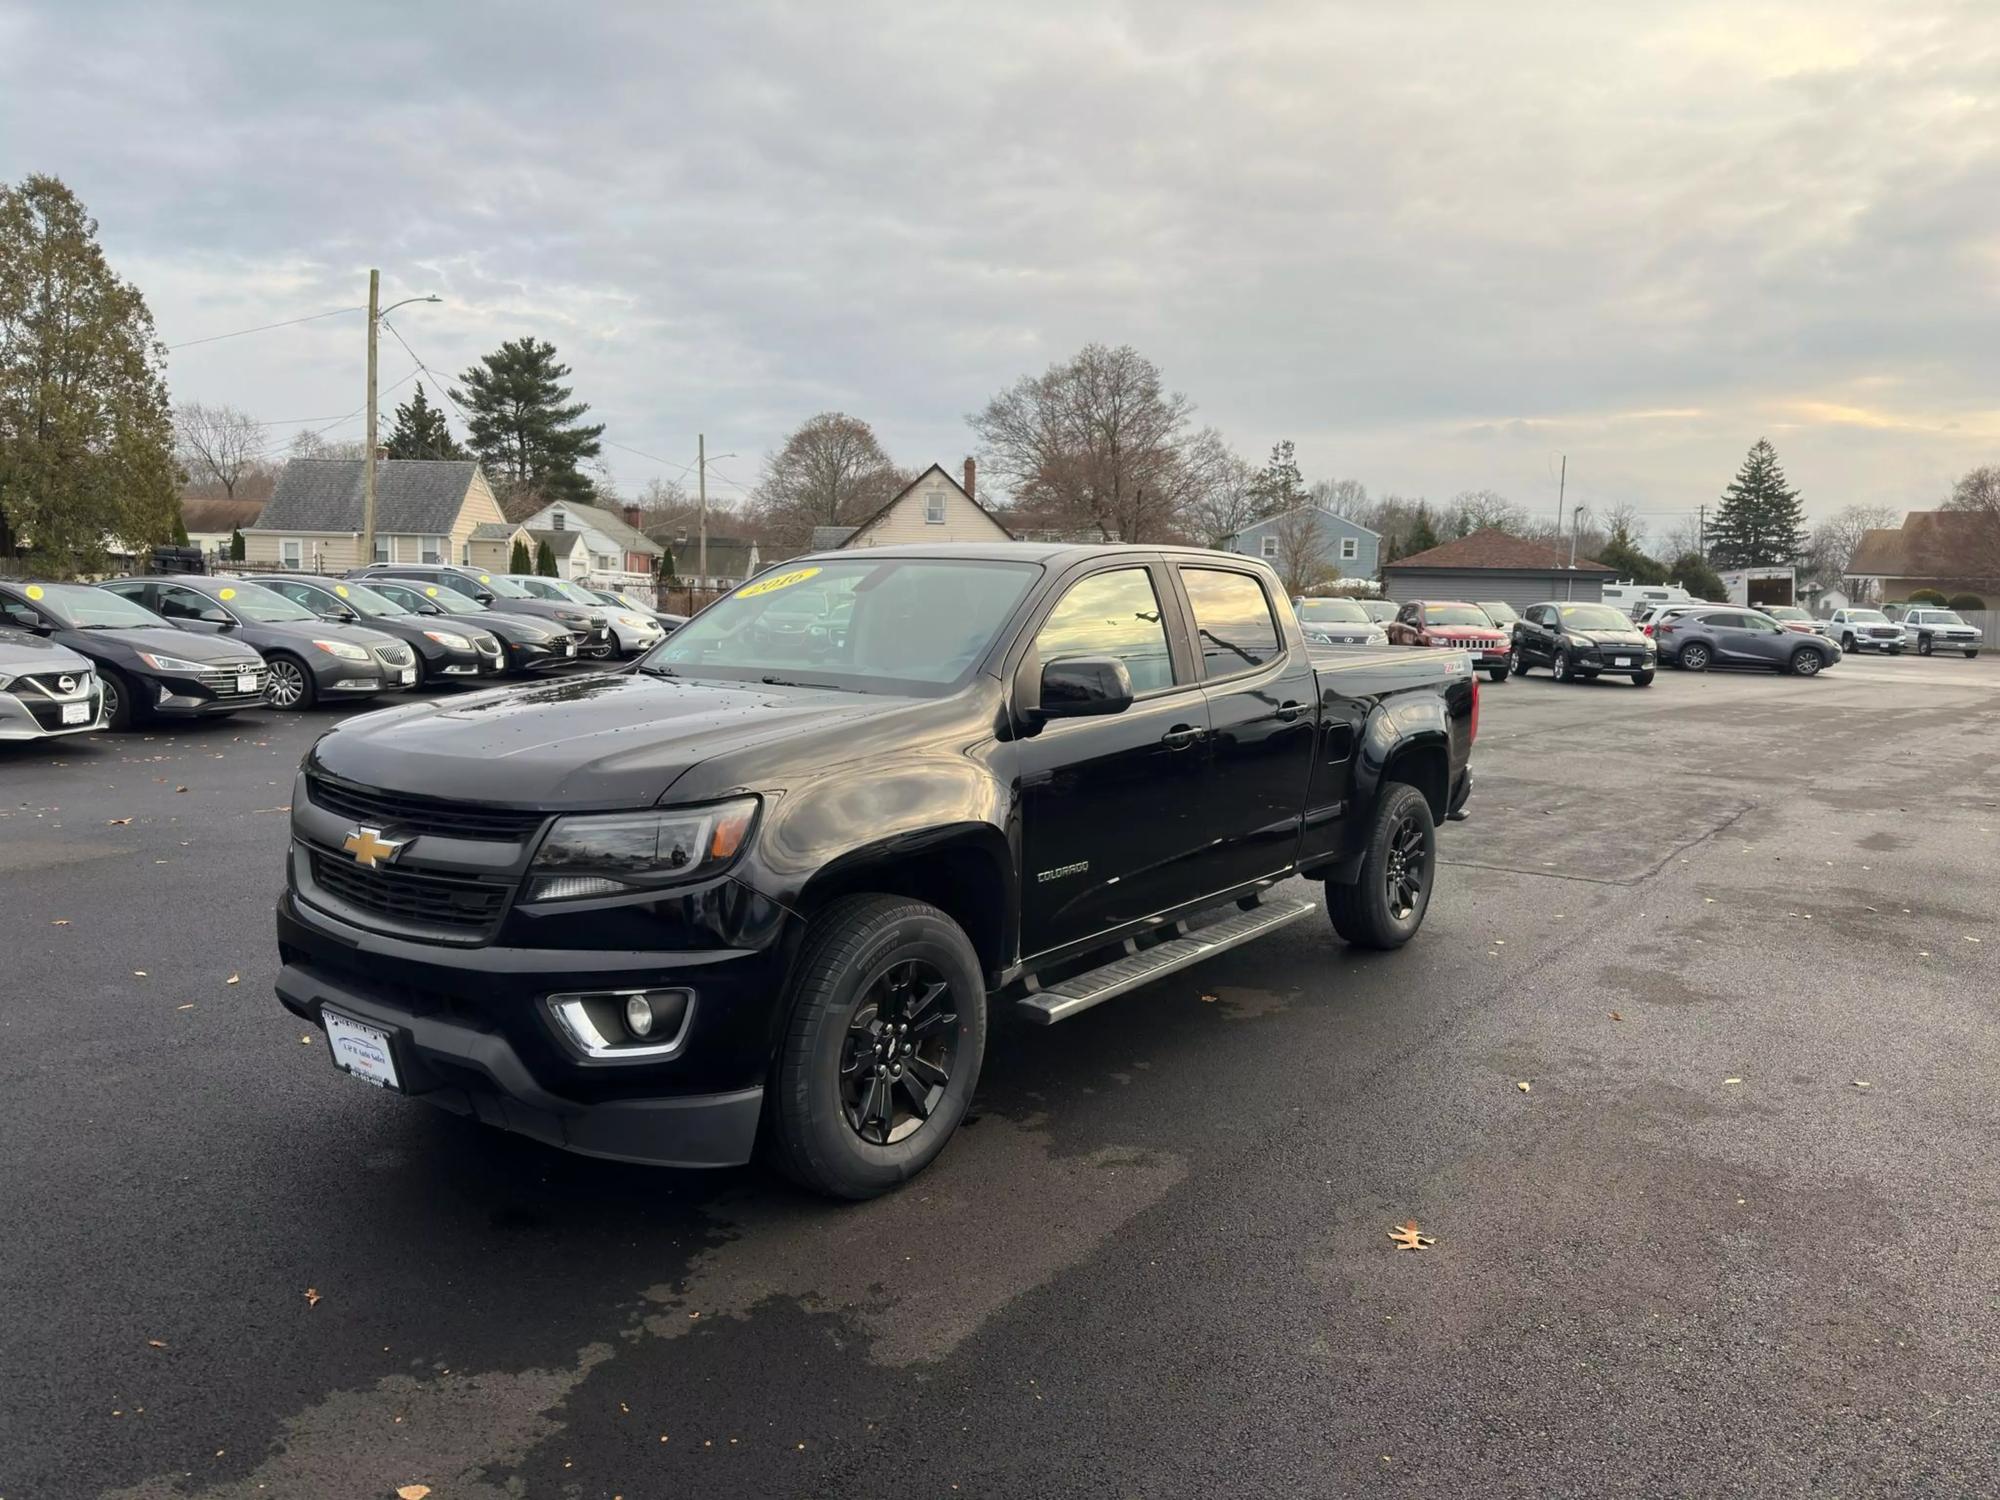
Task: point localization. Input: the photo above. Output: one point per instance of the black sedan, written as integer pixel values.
(445, 653)
(144, 665)
(1582, 641)
(1720, 636)
(530, 644)
(309, 658)
(589, 623)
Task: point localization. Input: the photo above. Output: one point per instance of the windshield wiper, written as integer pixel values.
(788, 682)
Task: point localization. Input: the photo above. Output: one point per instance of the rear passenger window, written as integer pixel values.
(1112, 614)
(1238, 631)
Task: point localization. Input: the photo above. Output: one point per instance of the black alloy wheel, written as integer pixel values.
(1385, 905)
(290, 685)
(1695, 656)
(902, 1045)
(1408, 867)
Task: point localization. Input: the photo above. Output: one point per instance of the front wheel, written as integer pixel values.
(1499, 674)
(120, 707)
(1385, 906)
(1923, 645)
(1970, 655)
(1560, 669)
(1642, 679)
(290, 685)
(1807, 663)
(882, 1051)
(1847, 644)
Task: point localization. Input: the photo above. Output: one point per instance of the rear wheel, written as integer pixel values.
(878, 1062)
(290, 685)
(1807, 663)
(1385, 906)
(1695, 656)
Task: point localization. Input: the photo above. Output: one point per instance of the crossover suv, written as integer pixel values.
(1583, 641)
(1730, 636)
(45, 689)
(309, 658)
(454, 653)
(497, 591)
(145, 667)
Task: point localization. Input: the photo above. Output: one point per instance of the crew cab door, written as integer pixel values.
(1263, 716)
(1113, 818)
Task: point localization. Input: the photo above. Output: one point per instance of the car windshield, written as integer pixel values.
(252, 601)
(365, 601)
(1379, 610)
(1942, 617)
(1868, 616)
(1455, 614)
(1332, 612)
(82, 608)
(451, 601)
(1594, 617)
(912, 625)
(1498, 613)
(576, 593)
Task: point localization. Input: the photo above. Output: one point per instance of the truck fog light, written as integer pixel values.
(639, 1015)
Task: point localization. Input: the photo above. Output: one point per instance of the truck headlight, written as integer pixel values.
(345, 650)
(610, 855)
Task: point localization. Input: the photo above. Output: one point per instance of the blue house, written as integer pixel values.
(1349, 549)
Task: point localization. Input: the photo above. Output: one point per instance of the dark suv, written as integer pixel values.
(1725, 636)
(591, 626)
(1582, 641)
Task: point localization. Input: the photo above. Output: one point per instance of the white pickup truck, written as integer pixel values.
(1931, 629)
(1863, 630)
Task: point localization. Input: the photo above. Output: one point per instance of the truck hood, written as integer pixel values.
(584, 742)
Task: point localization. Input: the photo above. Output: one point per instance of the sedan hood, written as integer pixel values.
(533, 628)
(305, 632)
(601, 741)
(31, 653)
(165, 640)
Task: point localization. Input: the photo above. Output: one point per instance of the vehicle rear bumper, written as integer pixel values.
(478, 1073)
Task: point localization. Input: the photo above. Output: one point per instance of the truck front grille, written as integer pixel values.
(403, 814)
(433, 901)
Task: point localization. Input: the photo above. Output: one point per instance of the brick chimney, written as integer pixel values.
(971, 474)
(635, 517)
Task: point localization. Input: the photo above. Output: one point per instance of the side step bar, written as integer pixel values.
(1061, 1001)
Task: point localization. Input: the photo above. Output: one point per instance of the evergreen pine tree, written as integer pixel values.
(666, 568)
(545, 560)
(523, 425)
(1692, 572)
(520, 561)
(180, 527)
(1422, 535)
(1761, 521)
(420, 431)
(238, 548)
(1279, 487)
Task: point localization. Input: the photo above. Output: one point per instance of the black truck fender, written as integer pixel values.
(1406, 740)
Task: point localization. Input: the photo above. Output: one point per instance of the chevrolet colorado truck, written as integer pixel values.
(761, 890)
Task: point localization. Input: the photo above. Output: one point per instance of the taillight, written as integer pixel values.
(1645, 630)
(1473, 735)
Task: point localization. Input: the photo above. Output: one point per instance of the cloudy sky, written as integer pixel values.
(1437, 244)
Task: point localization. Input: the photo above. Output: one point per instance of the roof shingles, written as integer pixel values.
(413, 496)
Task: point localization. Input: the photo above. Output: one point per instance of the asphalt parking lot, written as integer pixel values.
(1740, 1233)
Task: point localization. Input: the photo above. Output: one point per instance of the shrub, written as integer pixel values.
(1967, 601)
(1926, 596)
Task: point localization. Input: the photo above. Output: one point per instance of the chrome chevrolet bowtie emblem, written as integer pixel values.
(369, 847)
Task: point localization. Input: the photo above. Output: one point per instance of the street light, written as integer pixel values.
(376, 313)
(701, 487)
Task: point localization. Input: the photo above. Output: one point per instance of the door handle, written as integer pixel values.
(1180, 737)
(1290, 709)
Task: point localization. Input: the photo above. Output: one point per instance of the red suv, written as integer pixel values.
(1455, 625)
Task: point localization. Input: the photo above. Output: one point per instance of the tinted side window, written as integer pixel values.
(1721, 622)
(1233, 620)
(1112, 614)
(179, 604)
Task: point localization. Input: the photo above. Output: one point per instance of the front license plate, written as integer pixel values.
(76, 713)
(1621, 661)
(246, 682)
(360, 1049)
(569, 650)
(407, 676)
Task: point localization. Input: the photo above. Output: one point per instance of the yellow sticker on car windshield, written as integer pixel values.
(225, 593)
(484, 578)
(772, 585)
(432, 591)
(340, 589)
(34, 591)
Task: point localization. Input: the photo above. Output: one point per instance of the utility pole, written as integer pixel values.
(368, 458)
(1562, 483)
(1701, 531)
(1575, 525)
(701, 487)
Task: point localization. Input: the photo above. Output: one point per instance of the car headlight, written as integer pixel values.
(174, 663)
(634, 622)
(345, 650)
(571, 617)
(450, 639)
(610, 855)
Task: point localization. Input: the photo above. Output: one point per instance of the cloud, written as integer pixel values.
(1433, 243)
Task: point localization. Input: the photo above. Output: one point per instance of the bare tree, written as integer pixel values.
(1223, 496)
(1301, 560)
(1096, 441)
(313, 445)
(1831, 546)
(217, 446)
(830, 472)
(1477, 510)
(1342, 497)
(1683, 537)
(1978, 493)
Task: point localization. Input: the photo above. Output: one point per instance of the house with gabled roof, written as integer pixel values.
(426, 511)
(1494, 565)
(933, 507)
(618, 555)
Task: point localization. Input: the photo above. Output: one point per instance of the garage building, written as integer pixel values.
(1492, 564)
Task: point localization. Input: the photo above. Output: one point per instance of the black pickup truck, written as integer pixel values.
(762, 887)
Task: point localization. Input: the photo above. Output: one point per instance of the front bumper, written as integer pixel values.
(178, 696)
(26, 714)
(1637, 660)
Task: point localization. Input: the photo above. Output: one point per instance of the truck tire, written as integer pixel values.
(1385, 906)
(1923, 645)
(886, 1032)
(1847, 643)
(1972, 653)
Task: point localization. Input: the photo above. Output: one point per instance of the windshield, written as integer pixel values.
(81, 608)
(367, 602)
(1332, 612)
(1942, 617)
(1868, 616)
(897, 625)
(1455, 614)
(1498, 613)
(1594, 617)
(254, 602)
(574, 592)
(1379, 610)
(451, 601)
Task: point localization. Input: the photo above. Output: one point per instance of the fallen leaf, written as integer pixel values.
(234, 979)
(1524, 1087)
(1732, 1080)
(1862, 1083)
(1208, 999)
(1616, 1017)
(1708, 900)
(1868, 908)
(180, 789)
(138, 973)
(156, 1343)
(306, 1040)
(413, 1492)
(1970, 938)
(60, 922)
(116, 822)
(188, 1006)
(1407, 1238)
(312, 1296)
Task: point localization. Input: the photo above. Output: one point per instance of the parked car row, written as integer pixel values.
(77, 657)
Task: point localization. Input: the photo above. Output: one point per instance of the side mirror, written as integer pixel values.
(214, 616)
(484, 598)
(1084, 687)
(343, 615)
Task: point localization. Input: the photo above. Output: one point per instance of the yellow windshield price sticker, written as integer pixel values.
(226, 594)
(340, 589)
(34, 591)
(484, 578)
(432, 591)
(772, 585)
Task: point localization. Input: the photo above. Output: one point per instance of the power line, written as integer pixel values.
(443, 389)
(683, 469)
(265, 327)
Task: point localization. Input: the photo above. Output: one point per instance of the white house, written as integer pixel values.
(619, 555)
(933, 507)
